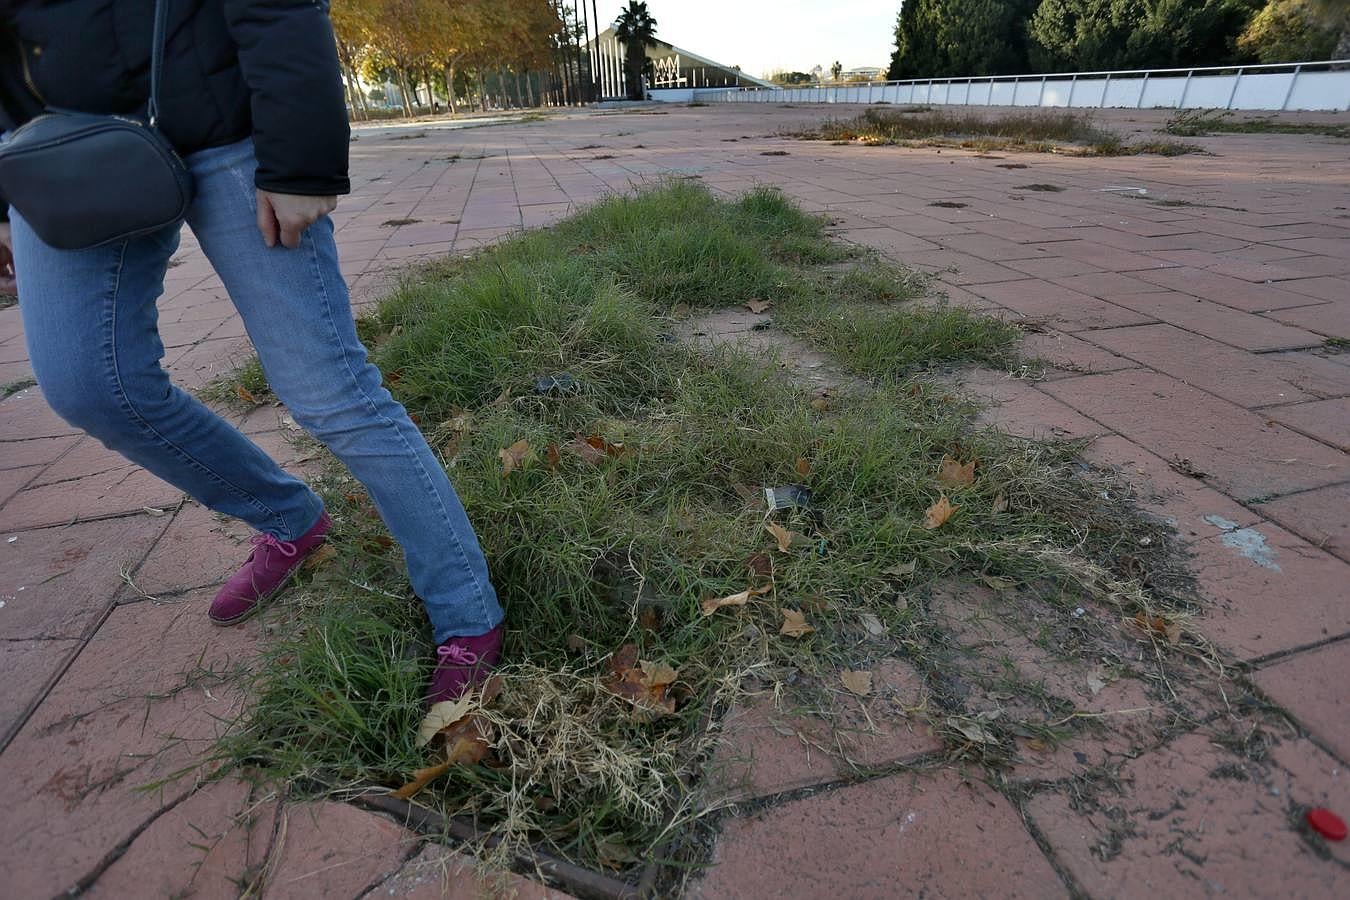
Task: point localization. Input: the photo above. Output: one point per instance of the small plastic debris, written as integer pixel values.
(1327, 823)
(11, 540)
(1079, 613)
(788, 495)
(560, 385)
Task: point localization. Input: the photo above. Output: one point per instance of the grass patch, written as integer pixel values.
(8, 300)
(9, 388)
(1040, 131)
(588, 557)
(1196, 123)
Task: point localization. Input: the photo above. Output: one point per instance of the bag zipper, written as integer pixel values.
(27, 73)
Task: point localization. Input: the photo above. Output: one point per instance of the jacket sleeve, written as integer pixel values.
(289, 60)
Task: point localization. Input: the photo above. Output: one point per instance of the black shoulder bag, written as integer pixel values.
(81, 180)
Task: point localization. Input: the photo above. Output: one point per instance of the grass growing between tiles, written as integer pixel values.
(1040, 131)
(616, 477)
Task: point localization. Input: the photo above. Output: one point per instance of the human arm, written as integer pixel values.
(7, 283)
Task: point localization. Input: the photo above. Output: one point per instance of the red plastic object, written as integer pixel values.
(1327, 824)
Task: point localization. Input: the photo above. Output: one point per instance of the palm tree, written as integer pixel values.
(636, 28)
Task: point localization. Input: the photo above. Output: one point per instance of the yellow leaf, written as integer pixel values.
(954, 475)
(803, 467)
(244, 394)
(441, 716)
(937, 514)
(859, 683)
(794, 624)
(782, 535)
(657, 675)
(421, 778)
(759, 306)
(712, 605)
(514, 457)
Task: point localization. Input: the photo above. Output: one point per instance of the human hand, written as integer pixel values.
(285, 217)
(7, 283)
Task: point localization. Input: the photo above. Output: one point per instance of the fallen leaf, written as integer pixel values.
(759, 306)
(803, 466)
(859, 683)
(514, 457)
(593, 449)
(245, 394)
(613, 855)
(491, 688)
(553, 456)
(997, 582)
(576, 643)
(973, 730)
(640, 682)
(1095, 684)
(953, 474)
(649, 618)
(1159, 627)
(760, 565)
(383, 540)
(442, 715)
(153, 511)
(937, 514)
(794, 624)
(1000, 503)
(782, 535)
(323, 554)
(421, 778)
(466, 742)
(712, 605)
(872, 625)
(903, 569)
(820, 404)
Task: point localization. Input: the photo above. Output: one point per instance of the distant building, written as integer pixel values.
(673, 68)
(864, 73)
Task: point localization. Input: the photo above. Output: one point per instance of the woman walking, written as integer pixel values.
(251, 98)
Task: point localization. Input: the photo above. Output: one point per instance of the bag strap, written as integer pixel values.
(157, 58)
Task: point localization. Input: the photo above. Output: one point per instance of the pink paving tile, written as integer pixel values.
(1321, 517)
(1241, 452)
(1193, 820)
(1065, 309)
(1221, 323)
(1329, 319)
(26, 669)
(25, 416)
(327, 849)
(126, 713)
(1311, 685)
(1267, 591)
(1246, 379)
(934, 833)
(35, 452)
(969, 269)
(1323, 288)
(1071, 354)
(208, 846)
(762, 749)
(113, 493)
(439, 873)
(14, 480)
(1326, 420)
(1234, 292)
(57, 582)
(197, 549)
(1187, 503)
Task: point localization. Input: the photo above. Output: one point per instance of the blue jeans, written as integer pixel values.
(91, 325)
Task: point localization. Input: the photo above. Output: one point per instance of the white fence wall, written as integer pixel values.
(1320, 86)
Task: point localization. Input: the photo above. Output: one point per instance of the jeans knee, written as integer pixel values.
(86, 405)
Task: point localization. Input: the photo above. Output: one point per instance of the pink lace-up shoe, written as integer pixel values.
(463, 663)
(269, 565)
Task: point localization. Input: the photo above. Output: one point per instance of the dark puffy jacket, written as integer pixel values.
(232, 68)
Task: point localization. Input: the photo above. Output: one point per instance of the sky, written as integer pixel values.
(763, 35)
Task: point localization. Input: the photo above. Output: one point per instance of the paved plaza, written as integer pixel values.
(1196, 315)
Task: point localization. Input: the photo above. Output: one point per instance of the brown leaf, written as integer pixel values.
(938, 514)
(1159, 626)
(553, 456)
(782, 535)
(514, 457)
(421, 778)
(491, 689)
(712, 605)
(466, 742)
(641, 683)
(803, 467)
(245, 394)
(760, 565)
(576, 643)
(593, 449)
(859, 683)
(759, 306)
(794, 624)
(323, 554)
(441, 716)
(613, 855)
(649, 618)
(954, 475)
(1000, 503)
(383, 540)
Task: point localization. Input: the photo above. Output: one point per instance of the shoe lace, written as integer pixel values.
(453, 653)
(285, 548)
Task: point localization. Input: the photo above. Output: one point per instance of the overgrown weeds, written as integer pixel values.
(1040, 131)
(591, 552)
(1196, 123)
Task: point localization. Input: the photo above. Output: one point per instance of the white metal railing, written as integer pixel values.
(1320, 86)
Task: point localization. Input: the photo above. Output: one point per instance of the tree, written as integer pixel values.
(1298, 31)
(1138, 34)
(938, 38)
(636, 30)
(789, 78)
(836, 70)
